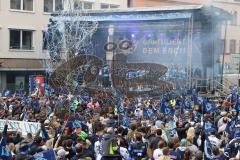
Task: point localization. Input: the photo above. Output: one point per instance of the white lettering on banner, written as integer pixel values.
(24, 127)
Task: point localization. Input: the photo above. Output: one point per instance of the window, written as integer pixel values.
(78, 5)
(44, 45)
(15, 39)
(26, 5)
(223, 46)
(52, 5)
(48, 5)
(58, 5)
(232, 46)
(87, 5)
(26, 40)
(234, 19)
(21, 39)
(114, 6)
(106, 6)
(239, 47)
(15, 4)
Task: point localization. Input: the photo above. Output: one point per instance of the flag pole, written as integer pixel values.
(224, 48)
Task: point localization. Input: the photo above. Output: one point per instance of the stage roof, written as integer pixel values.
(147, 13)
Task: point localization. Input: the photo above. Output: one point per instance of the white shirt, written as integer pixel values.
(220, 122)
(157, 154)
(222, 128)
(124, 153)
(138, 113)
(97, 146)
(214, 140)
(164, 136)
(193, 148)
(10, 108)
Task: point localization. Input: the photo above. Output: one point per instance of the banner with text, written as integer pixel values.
(24, 127)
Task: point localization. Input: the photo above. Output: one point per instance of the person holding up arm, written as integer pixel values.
(4, 150)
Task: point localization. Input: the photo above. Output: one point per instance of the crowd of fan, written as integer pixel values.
(102, 135)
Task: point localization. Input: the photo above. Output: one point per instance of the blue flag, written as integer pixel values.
(45, 136)
(19, 93)
(188, 104)
(4, 151)
(233, 96)
(173, 133)
(6, 93)
(148, 113)
(234, 93)
(121, 106)
(28, 101)
(234, 89)
(208, 148)
(184, 119)
(194, 91)
(208, 127)
(179, 102)
(25, 148)
(184, 92)
(197, 100)
(145, 115)
(208, 106)
(36, 104)
(84, 99)
(151, 113)
(237, 105)
(166, 108)
(200, 100)
(121, 109)
(230, 126)
(45, 155)
(125, 121)
(74, 124)
(197, 117)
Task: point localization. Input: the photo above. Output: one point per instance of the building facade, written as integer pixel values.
(230, 32)
(22, 26)
(231, 41)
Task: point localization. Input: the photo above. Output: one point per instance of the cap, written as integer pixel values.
(62, 153)
(183, 142)
(223, 113)
(158, 123)
(82, 135)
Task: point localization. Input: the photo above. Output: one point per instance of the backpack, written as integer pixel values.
(108, 145)
(138, 150)
(154, 142)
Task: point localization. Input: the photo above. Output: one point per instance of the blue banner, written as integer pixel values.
(45, 155)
